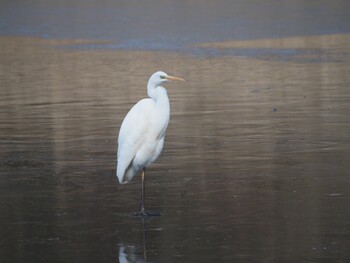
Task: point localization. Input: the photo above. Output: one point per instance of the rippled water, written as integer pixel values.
(255, 166)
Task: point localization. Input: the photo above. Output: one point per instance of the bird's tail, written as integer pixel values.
(125, 175)
(120, 174)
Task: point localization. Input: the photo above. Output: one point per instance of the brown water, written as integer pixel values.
(255, 166)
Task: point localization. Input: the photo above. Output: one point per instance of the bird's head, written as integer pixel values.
(159, 77)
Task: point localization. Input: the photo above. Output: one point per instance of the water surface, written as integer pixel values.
(256, 159)
(171, 25)
(255, 166)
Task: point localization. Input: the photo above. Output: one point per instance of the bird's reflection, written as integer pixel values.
(132, 253)
(129, 254)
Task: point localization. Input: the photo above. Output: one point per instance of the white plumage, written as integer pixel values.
(141, 136)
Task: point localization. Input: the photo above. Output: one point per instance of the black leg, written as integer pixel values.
(143, 212)
(143, 191)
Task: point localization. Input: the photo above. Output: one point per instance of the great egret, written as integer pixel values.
(141, 135)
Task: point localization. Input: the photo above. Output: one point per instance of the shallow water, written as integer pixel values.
(254, 169)
(256, 160)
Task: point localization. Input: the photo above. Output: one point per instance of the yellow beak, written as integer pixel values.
(174, 78)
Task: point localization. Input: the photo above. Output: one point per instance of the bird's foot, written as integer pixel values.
(144, 213)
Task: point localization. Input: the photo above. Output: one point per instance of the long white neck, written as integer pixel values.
(156, 93)
(160, 95)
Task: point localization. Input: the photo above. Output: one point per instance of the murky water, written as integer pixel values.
(255, 166)
(174, 25)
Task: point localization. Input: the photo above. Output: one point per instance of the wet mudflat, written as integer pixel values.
(255, 166)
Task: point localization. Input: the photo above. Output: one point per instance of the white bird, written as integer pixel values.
(141, 135)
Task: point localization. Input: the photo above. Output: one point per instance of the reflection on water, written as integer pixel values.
(255, 165)
(131, 253)
(128, 255)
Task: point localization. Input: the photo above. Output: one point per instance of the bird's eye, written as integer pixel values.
(162, 77)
